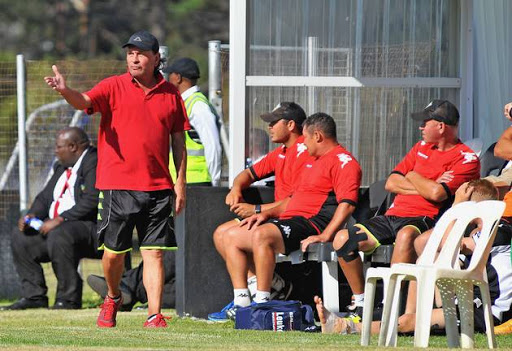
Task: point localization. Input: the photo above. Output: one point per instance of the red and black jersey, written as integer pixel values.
(427, 160)
(285, 164)
(327, 181)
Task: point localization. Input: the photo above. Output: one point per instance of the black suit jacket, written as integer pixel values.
(86, 195)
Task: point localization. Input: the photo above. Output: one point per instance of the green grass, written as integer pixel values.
(76, 330)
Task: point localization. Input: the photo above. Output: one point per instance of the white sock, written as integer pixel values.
(262, 296)
(359, 299)
(252, 285)
(241, 297)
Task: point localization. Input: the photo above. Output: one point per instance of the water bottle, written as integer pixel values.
(34, 222)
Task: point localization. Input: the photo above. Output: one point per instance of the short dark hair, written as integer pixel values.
(76, 135)
(483, 190)
(322, 122)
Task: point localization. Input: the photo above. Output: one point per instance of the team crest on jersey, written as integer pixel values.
(421, 154)
(468, 157)
(286, 229)
(344, 159)
(301, 147)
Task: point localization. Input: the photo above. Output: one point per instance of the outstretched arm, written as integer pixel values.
(73, 97)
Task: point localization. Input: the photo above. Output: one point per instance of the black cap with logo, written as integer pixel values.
(143, 40)
(439, 110)
(286, 110)
(186, 67)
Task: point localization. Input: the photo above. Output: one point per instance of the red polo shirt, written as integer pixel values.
(326, 182)
(428, 161)
(285, 164)
(134, 134)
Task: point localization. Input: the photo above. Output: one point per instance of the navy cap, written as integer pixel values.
(439, 110)
(143, 40)
(286, 110)
(186, 67)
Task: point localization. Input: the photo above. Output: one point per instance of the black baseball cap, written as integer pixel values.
(144, 40)
(439, 110)
(286, 110)
(185, 67)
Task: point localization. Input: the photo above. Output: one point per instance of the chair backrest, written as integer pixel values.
(459, 213)
(490, 164)
(380, 198)
(490, 213)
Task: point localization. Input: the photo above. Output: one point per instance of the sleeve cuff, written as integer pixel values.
(350, 202)
(447, 189)
(253, 172)
(397, 172)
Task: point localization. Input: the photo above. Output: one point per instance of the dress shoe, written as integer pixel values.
(64, 305)
(99, 285)
(23, 304)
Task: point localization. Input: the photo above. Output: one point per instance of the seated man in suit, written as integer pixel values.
(68, 208)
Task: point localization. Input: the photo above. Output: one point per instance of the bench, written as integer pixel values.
(324, 253)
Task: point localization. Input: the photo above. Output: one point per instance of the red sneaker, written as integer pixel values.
(157, 322)
(107, 317)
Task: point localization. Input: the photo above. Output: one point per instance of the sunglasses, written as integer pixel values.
(271, 124)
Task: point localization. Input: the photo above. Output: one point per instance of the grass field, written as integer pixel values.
(76, 330)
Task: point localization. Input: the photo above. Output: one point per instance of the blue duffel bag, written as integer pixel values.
(275, 315)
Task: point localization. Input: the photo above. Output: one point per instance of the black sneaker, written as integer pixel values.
(25, 304)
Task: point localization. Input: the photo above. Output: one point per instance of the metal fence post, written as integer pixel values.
(215, 89)
(22, 143)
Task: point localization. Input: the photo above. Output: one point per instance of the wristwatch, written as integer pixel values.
(257, 209)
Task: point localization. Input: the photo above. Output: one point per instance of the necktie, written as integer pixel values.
(66, 185)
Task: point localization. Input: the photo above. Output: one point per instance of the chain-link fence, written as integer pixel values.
(46, 114)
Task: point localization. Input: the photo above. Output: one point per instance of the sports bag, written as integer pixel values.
(275, 315)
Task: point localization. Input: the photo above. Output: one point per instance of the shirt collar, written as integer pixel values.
(189, 92)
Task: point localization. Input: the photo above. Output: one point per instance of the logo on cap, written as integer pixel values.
(277, 107)
(137, 39)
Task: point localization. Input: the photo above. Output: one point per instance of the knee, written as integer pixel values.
(58, 241)
(406, 236)
(218, 235)
(419, 244)
(340, 239)
(262, 237)
(21, 241)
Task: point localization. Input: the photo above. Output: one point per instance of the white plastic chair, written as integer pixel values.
(445, 271)
(461, 282)
(382, 273)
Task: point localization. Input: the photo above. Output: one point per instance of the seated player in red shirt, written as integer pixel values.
(284, 163)
(426, 177)
(322, 202)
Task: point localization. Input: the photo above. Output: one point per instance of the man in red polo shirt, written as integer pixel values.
(285, 164)
(139, 110)
(427, 176)
(323, 201)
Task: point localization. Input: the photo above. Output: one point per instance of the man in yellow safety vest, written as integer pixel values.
(204, 153)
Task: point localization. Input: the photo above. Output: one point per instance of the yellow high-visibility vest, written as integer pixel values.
(197, 168)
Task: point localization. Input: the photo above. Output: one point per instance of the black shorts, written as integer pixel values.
(385, 228)
(119, 211)
(294, 230)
